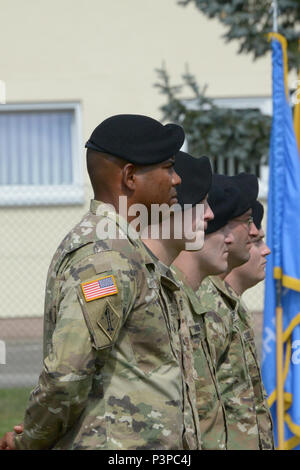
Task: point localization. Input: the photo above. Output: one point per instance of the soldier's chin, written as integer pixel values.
(246, 256)
(219, 268)
(242, 259)
(223, 268)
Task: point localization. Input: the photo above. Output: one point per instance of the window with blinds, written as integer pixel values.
(40, 154)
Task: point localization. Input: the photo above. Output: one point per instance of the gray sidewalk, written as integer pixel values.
(24, 345)
(23, 363)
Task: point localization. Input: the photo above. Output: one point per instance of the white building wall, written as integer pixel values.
(104, 55)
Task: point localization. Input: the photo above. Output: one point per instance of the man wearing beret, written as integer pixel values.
(191, 268)
(195, 177)
(113, 375)
(240, 279)
(237, 383)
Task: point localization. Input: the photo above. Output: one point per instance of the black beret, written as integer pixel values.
(195, 174)
(247, 185)
(137, 139)
(257, 214)
(223, 203)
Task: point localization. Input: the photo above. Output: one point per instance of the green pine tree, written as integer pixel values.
(249, 21)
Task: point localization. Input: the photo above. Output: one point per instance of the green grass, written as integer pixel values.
(13, 402)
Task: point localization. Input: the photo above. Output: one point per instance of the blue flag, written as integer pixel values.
(283, 238)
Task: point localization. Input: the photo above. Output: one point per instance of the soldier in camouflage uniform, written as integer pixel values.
(240, 279)
(249, 423)
(113, 375)
(191, 271)
(180, 315)
(196, 177)
(210, 407)
(237, 381)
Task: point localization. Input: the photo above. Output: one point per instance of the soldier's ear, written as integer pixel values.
(129, 176)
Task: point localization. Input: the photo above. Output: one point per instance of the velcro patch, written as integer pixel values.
(98, 288)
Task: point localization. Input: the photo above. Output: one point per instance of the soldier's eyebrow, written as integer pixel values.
(170, 161)
(257, 239)
(244, 216)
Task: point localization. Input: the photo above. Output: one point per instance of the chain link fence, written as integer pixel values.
(29, 237)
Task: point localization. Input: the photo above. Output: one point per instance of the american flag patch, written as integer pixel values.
(99, 288)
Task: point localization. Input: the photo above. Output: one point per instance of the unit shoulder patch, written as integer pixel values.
(109, 322)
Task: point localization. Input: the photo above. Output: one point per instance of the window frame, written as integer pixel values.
(40, 195)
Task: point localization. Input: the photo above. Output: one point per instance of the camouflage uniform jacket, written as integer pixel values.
(181, 316)
(209, 404)
(263, 415)
(231, 342)
(111, 377)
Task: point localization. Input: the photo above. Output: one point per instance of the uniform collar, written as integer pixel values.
(224, 287)
(207, 292)
(166, 273)
(239, 305)
(122, 223)
(169, 279)
(190, 293)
